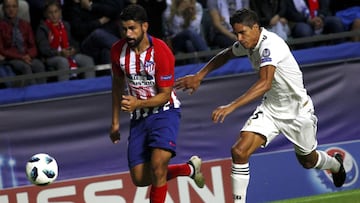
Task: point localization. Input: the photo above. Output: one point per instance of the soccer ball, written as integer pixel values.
(41, 169)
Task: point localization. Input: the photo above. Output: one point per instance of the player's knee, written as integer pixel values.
(239, 155)
(159, 172)
(140, 182)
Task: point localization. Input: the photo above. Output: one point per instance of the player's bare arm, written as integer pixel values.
(192, 82)
(117, 92)
(261, 86)
(130, 103)
(188, 82)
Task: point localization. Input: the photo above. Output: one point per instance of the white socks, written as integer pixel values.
(240, 176)
(326, 162)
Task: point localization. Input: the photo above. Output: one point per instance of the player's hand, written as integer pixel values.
(129, 103)
(221, 112)
(115, 137)
(189, 82)
(114, 132)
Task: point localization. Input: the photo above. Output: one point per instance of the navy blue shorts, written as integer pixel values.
(158, 130)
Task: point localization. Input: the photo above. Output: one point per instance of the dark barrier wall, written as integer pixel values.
(328, 54)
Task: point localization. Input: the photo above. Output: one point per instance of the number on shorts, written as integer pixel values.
(256, 115)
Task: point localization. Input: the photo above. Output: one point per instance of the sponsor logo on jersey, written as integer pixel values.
(172, 144)
(166, 77)
(268, 59)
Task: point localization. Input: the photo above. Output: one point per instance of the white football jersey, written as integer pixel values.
(287, 94)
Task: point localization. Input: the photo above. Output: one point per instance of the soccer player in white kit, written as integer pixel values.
(286, 107)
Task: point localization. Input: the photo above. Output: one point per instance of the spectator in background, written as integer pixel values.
(155, 10)
(349, 13)
(5, 71)
(271, 14)
(17, 44)
(310, 18)
(220, 12)
(56, 45)
(36, 8)
(203, 3)
(94, 26)
(183, 23)
(23, 12)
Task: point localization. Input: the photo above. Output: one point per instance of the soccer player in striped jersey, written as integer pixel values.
(286, 107)
(144, 66)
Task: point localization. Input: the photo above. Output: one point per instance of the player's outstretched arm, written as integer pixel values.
(188, 82)
(258, 89)
(192, 82)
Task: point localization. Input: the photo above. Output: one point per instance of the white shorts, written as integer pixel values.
(301, 131)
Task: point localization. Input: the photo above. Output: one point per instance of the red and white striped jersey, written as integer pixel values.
(145, 72)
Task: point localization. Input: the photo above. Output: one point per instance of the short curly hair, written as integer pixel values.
(134, 12)
(244, 16)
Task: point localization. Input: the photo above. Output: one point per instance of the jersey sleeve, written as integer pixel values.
(115, 58)
(269, 55)
(164, 64)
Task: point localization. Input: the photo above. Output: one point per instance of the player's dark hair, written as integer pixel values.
(134, 12)
(244, 16)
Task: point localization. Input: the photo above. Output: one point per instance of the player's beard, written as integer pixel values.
(135, 42)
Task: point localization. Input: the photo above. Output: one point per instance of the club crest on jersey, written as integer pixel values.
(149, 67)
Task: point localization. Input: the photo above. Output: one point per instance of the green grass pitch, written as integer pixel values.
(349, 196)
